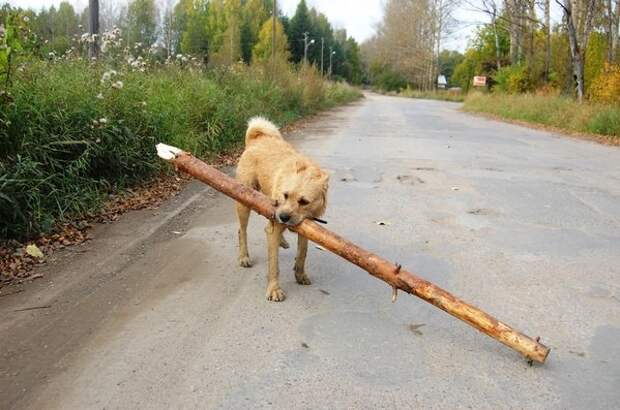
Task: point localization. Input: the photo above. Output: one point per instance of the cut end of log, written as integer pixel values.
(167, 152)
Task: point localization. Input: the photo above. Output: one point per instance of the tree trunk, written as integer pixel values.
(548, 39)
(93, 24)
(610, 31)
(575, 51)
(382, 269)
(495, 34)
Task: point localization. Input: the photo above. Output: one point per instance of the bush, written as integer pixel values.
(605, 88)
(388, 80)
(72, 131)
(513, 79)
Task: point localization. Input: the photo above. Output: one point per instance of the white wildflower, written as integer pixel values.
(143, 103)
(26, 19)
(100, 96)
(106, 77)
(103, 121)
(117, 85)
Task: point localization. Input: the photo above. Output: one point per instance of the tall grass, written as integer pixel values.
(556, 111)
(68, 137)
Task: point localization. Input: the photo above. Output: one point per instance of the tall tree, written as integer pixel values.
(300, 23)
(262, 50)
(142, 23)
(579, 26)
(194, 36)
(254, 15)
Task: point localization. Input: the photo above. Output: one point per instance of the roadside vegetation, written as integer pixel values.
(73, 129)
(560, 112)
(532, 72)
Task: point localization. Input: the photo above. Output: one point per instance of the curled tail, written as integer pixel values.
(259, 127)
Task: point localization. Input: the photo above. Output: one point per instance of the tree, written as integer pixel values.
(300, 24)
(224, 32)
(262, 50)
(352, 65)
(448, 60)
(194, 36)
(579, 26)
(254, 15)
(142, 23)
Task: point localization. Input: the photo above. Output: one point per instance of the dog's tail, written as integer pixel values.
(259, 127)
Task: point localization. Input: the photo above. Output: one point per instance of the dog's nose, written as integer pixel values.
(284, 217)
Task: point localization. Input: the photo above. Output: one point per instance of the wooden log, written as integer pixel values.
(385, 270)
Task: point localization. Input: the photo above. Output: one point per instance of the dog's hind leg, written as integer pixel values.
(300, 261)
(243, 213)
(274, 233)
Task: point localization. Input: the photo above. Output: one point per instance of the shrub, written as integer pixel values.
(513, 79)
(388, 80)
(605, 88)
(73, 131)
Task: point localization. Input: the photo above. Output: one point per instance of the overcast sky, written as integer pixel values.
(359, 17)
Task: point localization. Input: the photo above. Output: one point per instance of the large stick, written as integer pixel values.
(386, 271)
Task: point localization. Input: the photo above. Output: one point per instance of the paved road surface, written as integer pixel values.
(155, 313)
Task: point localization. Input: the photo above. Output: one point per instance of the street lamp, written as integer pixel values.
(331, 54)
(306, 45)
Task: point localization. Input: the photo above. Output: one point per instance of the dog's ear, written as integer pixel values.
(301, 166)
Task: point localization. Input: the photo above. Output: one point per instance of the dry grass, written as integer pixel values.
(557, 112)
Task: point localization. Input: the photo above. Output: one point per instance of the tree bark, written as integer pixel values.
(548, 39)
(93, 23)
(575, 47)
(385, 270)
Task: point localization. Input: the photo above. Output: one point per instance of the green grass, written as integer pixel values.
(443, 95)
(56, 162)
(555, 111)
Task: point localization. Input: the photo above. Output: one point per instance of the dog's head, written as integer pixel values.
(302, 194)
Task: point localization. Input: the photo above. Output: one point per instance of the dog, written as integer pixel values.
(297, 188)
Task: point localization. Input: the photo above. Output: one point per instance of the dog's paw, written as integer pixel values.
(302, 279)
(283, 243)
(245, 262)
(275, 294)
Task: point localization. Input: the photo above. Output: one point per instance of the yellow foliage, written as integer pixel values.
(605, 88)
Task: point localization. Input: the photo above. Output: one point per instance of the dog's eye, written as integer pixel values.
(285, 195)
(303, 201)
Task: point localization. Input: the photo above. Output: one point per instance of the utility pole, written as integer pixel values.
(331, 54)
(306, 45)
(322, 46)
(93, 25)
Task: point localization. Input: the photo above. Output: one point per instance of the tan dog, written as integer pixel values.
(297, 187)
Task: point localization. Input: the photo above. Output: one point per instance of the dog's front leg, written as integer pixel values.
(300, 261)
(274, 233)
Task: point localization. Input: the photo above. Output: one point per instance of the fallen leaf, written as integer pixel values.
(34, 251)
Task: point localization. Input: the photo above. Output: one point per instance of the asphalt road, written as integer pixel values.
(155, 313)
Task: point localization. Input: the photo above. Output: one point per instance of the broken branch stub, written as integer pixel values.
(383, 269)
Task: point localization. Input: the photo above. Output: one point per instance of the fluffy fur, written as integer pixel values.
(297, 187)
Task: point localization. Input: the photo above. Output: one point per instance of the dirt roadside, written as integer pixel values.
(84, 283)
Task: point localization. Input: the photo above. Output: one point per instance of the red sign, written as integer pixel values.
(480, 81)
